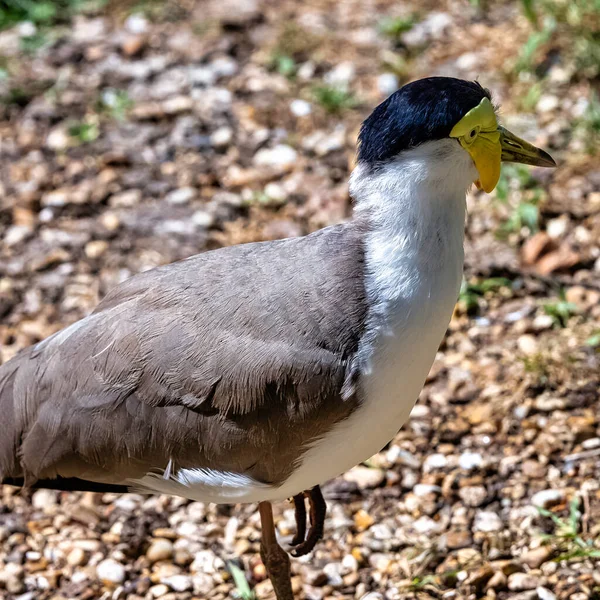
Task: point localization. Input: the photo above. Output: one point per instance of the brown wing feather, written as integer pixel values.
(232, 360)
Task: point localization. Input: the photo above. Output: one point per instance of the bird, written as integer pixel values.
(255, 373)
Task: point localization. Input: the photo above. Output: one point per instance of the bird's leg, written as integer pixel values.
(300, 509)
(274, 557)
(318, 510)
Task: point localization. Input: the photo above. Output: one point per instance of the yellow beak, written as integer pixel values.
(490, 149)
(514, 149)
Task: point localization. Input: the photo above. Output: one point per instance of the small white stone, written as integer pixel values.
(58, 139)
(434, 462)
(545, 594)
(487, 522)
(16, 234)
(136, 24)
(203, 219)
(528, 345)
(423, 489)
(387, 83)
(470, 460)
(467, 61)
(281, 156)
(26, 29)
(426, 525)
(221, 137)
(111, 572)
(542, 322)
(42, 499)
(518, 582)
(181, 196)
(547, 498)
(275, 191)
(178, 583)
(590, 443)
(341, 75)
(547, 103)
(364, 477)
(556, 228)
(160, 549)
(96, 248)
(300, 108)
(224, 66)
(349, 564)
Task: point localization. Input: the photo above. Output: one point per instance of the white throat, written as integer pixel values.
(416, 208)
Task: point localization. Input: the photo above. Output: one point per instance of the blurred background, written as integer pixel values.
(133, 134)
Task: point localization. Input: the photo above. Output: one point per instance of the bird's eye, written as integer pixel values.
(473, 133)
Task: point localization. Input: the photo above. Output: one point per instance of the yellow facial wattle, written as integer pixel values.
(478, 134)
(489, 144)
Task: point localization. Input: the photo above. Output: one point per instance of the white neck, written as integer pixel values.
(415, 210)
(417, 202)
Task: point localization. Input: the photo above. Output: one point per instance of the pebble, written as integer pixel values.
(221, 138)
(126, 199)
(547, 103)
(77, 557)
(458, 539)
(549, 404)
(16, 234)
(542, 323)
(431, 28)
(548, 498)
(160, 549)
(487, 522)
(157, 591)
(275, 192)
(43, 499)
(528, 345)
(300, 108)
(365, 478)
(178, 583)
(518, 582)
(426, 525)
(557, 228)
(470, 460)
(434, 462)
(96, 248)
(281, 156)
(341, 75)
(110, 572)
(545, 594)
(133, 45)
(473, 495)
(58, 139)
(387, 84)
(203, 219)
(136, 24)
(181, 196)
(537, 556)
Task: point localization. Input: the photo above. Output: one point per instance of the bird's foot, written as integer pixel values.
(305, 543)
(274, 557)
(277, 563)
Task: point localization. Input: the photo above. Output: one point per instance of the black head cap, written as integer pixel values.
(418, 112)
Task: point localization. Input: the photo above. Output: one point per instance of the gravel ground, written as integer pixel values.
(132, 139)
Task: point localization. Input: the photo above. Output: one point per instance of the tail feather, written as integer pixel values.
(69, 484)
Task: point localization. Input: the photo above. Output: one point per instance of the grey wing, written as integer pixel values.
(210, 363)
